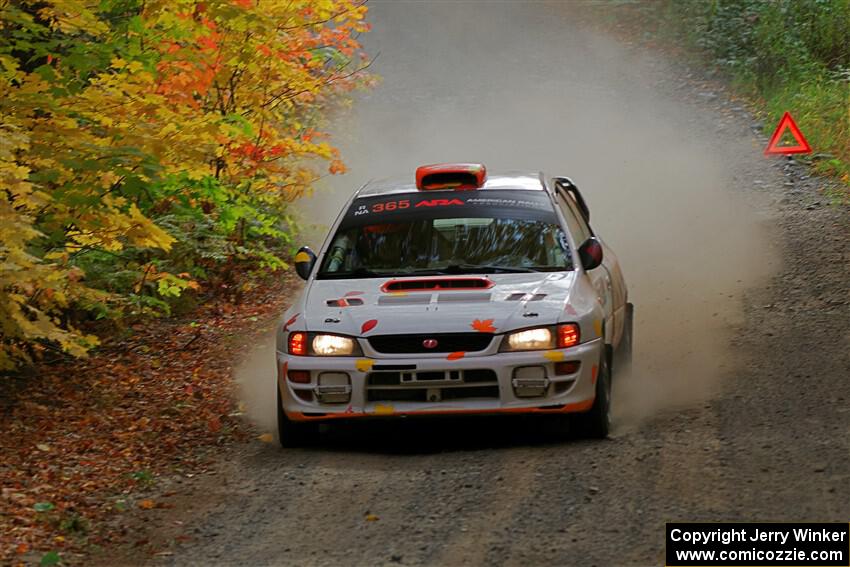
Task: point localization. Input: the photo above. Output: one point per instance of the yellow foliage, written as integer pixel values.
(95, 112)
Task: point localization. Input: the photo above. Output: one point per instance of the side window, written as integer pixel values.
(575, 222)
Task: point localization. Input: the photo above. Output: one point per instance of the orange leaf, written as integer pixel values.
(483, 326)
(22, 548)
(214, 424)
(147, 504)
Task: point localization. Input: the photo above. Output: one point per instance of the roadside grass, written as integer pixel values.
(781, 55)
(823, 106)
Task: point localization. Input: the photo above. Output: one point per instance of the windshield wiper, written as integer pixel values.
(469, 269)
(472, 268)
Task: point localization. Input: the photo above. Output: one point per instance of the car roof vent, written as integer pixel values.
(431, 284)
(450, 176)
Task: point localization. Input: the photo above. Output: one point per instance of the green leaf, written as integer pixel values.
(43, 506)
(50, 558)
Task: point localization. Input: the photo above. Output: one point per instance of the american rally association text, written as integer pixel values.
(756, 534)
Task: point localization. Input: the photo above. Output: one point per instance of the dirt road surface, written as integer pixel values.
(740, 405)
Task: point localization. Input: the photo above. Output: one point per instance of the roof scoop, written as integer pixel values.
(459, 176)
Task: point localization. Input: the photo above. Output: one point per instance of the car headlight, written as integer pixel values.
(332, 345)
(322, 344)
(542, 338)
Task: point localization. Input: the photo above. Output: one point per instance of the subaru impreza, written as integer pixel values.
(455, 292)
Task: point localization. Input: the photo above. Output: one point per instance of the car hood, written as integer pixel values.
(512, 301)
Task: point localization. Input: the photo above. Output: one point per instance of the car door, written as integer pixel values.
(580, 231)
(601, 276)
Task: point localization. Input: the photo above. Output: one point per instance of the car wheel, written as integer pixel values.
(623, 362)
(596, 423)
(293, 433)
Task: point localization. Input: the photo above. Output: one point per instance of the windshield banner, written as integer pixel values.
(404, 207)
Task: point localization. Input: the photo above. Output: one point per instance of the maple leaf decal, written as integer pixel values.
(483, 326)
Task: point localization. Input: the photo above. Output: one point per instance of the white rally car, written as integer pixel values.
(459, 293)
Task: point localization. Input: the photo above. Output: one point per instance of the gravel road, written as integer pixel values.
(737, 265)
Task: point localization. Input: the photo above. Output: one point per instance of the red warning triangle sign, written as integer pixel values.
(787, 122)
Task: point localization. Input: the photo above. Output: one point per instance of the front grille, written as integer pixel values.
(423, 386)
(467, 393)
(446, 342)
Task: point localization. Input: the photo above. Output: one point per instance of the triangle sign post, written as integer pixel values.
(787, 122)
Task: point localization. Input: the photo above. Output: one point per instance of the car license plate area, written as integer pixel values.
(431, 376)
(432, 385)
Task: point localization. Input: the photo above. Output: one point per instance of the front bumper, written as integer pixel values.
(420, 385)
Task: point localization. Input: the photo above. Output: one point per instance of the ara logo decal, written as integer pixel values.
(439, 203)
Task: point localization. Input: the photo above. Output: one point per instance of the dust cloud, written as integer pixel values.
(522, 86)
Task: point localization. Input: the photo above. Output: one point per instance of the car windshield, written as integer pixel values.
(504, 232)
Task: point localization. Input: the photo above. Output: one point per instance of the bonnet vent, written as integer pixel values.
(431, 284)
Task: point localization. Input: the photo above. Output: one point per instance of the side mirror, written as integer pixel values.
(304, 261)
(590, 253)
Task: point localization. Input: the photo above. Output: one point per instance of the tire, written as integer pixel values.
(596, 423)
(623, 361)
(294, 433)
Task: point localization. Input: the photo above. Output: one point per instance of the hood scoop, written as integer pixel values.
(464, 297)
(422, 299)
(525, 297)
(434, 284)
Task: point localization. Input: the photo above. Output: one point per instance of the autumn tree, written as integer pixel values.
(144, 145)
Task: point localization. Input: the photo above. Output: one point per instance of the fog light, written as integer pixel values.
(568, 367)
(333, 388)
(530, 381)
(299, 376)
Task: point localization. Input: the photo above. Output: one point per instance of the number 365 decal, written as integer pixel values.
(390, 206)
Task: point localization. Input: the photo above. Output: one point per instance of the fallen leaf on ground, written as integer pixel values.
(147, 504)
(372, 518)
(266, 438)
(173, 406)
(214, 424)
